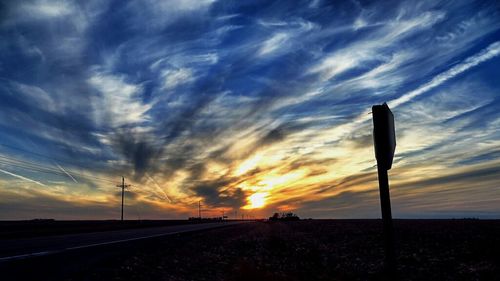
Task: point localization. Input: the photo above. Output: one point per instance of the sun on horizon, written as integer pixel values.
(256, 200)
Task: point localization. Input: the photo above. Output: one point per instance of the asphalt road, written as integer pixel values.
(20, 249)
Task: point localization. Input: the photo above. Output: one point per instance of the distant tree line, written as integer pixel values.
(284, 217)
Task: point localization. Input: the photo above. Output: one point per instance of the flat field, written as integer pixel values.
(310, 250)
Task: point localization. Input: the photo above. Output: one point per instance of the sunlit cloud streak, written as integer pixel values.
(159, 187)
(261, 106)
(68, 174)
(492, 51)
(21, 177)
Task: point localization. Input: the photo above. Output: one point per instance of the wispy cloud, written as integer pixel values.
(21, 177)
(490, 52)
(159, 188)
(68, 174)
(272, 44)
(176, 77)
(119, 102)
(220, 101)
(371, 48)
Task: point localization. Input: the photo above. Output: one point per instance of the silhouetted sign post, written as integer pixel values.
(384, 138)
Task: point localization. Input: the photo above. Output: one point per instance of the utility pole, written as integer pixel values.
(199, 209)
(123, 186)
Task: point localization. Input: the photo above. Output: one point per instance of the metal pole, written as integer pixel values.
(199, 209)
(385, 203)
(123, 193)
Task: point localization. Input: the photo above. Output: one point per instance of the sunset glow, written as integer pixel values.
(256, 200)
(257, 106)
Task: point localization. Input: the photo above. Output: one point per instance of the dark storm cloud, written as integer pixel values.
(213, 194)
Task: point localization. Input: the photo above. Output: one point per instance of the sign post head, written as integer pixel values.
(384, 135)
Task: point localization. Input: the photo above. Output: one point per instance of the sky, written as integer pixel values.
(249, 107)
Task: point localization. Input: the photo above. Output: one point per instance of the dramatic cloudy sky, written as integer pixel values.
(249, 106)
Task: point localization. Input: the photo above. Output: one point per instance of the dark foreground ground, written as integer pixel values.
(38, 228)
(304, 250)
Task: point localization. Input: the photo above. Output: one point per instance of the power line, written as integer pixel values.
(38, 168)
(45, 169)
(41, 168)
(52, 158)
(37, 154)
(28, 167)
